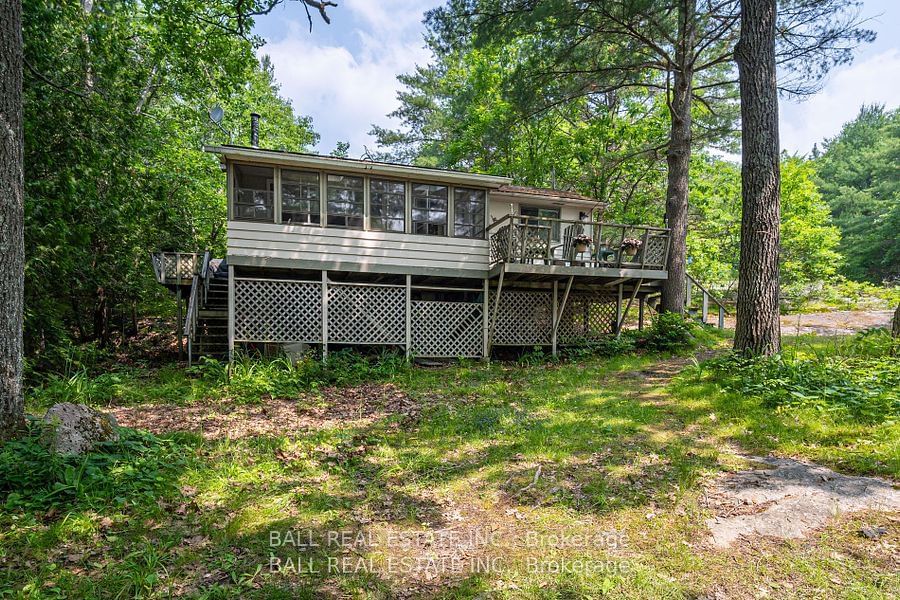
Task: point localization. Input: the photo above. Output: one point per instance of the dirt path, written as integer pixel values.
(838, 322)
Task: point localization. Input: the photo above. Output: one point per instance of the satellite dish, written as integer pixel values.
(216, 114)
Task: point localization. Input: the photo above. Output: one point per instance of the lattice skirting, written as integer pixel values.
(447, 329)
(524, 317)
(366, 314)
(586, 317)
(282, 311)
(277, 311)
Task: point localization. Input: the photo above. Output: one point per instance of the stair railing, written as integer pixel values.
(707, 296)
(204, 275)
(190, 321)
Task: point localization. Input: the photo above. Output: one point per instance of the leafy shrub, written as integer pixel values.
(605, 347)
(79, 388)
(670, 332)
(137, 468)
(841, 294)
(251, 378)
(859, 378)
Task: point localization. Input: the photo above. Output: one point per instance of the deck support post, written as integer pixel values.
(553, 313)
(618, 309)
(179, 325)
(558, 312)
(705, 311)
(688, 293)
(486, 319)
(493, 325)
(324, 315)
(231, 311)
(634, 293)
(408, 316)
(641, 302)
(721, 318)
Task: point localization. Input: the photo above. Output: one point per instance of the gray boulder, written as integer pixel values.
(76, 428)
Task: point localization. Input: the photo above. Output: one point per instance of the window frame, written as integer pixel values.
(360, 202)
(382, 205)
(414, 223)
(555, 234)
(236, 189)
(479, 225)
(317, 204)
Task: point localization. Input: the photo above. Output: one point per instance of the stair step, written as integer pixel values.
(206, 313)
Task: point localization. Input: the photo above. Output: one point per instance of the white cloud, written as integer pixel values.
(344, 91)
(875, 80)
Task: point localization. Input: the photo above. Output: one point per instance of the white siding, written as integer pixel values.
(353, 250)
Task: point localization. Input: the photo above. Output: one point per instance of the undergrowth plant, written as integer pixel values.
(251, 378)
(858, 377)
(137, 468)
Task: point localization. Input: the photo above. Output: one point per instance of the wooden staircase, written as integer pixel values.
(206, 322)
(701, 313)
(210, 337)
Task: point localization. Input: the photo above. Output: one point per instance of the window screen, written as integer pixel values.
(254, 193)
(468, 213)
(387, 205)
(300, 198)
(345, 201)
(429, 209)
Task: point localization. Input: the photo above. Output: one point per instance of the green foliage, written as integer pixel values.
(136, 469)
(116, 102)
(251, 379)
(669, 332)
(857, 173)
(840, 293)
(458, 113)
(809, 241)
(859, 377)
(605, 347)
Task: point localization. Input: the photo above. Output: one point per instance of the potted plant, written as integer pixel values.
(630, 246)
(581, 242)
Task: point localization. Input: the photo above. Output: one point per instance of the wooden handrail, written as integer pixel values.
(707, 292)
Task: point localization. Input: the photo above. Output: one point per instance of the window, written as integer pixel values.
(300, 198)
(429, 209)
(254, 193)
(468, 213)
(345, 201)
(387, 205)
(539, 211)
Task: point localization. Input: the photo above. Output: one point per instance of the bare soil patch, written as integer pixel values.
(331, 407)
(786, 498)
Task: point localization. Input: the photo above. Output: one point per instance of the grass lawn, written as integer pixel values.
(563, 480)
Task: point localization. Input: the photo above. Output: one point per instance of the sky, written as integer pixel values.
(344, 75)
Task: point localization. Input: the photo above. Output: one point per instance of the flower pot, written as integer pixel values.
(581, 248)
(630, 252)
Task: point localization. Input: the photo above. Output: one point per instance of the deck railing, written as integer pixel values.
(175, 268)
(519, 239)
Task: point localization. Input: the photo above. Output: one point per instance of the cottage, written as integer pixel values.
(328, 252)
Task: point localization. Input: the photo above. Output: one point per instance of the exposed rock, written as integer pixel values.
(788, 498)
(873, 533)
(78, 428)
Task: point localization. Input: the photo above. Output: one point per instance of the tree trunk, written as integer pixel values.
(678, 160)
(12, 220)
(758, 327)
